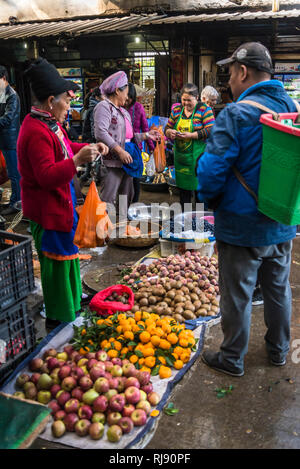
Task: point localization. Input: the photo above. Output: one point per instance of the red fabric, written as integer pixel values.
(3, 171)
(104, 308)
(45, 176)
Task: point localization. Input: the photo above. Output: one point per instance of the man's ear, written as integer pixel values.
(243, 72)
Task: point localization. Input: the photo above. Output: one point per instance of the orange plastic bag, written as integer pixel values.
(94, 224)
(159, 151)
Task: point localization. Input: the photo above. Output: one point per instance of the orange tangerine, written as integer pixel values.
(185, 357)
(141, 361)
(117, 345)
(112, 353)
(183, 342)
(150, 361)
(145, 315)
(178, 350)
(124, 350)
(121, 316)
(178, 364)
(145, 368)
(145, 337)
(126, 327)
(133, 358)
(138, 316)
(162, 360)
(83, 332)
(155, 340)
(148, 351)
(119, 329)
(164, 344)
(165, 372)
(128, 335)
(158, 331)
(100, 321)
(172, 338)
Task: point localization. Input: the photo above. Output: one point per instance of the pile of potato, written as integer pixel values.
(182, 286)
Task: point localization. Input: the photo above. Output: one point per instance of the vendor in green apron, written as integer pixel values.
(189, 125)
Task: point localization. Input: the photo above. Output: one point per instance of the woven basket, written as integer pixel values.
(142, 241)
(147, 102)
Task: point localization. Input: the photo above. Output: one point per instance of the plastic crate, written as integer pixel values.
(17, 333)
(16, 268)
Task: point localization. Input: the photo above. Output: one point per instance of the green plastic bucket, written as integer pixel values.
(279, 182)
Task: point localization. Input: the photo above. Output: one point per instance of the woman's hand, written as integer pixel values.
(154, 135)
(125, 157)
(86, 154)
(171, 133)
(102, 148)
(187, 135)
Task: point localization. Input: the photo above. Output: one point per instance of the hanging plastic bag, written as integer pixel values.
(159, 151)
(101, 305)
(3, 170)
(150, 166)
(94, 224)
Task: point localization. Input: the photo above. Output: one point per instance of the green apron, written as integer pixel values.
(186, 153)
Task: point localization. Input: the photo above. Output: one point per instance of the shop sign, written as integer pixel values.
(281, 67)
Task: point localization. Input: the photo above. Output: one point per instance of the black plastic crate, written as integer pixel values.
(16, 268)
(18, 332)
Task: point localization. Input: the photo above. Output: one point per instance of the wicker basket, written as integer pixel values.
(142, 241)
(147, 102)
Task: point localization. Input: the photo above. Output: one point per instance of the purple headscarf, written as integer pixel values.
(111, 83)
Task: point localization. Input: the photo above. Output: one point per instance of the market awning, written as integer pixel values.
(75, 28)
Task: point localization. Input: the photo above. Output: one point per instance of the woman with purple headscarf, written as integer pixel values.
(113, 126)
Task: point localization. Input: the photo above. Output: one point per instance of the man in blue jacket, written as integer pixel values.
(9, 130)
(251, 246)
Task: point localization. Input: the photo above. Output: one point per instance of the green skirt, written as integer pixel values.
(61, 282)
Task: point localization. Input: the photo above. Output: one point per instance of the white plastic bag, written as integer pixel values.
(150, 166)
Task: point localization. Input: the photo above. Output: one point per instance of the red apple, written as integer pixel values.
(50, 353)
(44, 397)
(54, 389)
(90, 355)
(58, 428)
(117, 361)
(75, 356)
(100, 404)
(52, 363)
(89, 396)
(85, 383)
(22, 379)
(30, 391)
(110, 393)
(113, 418)
(143, 377)
(82, 427)
(96, 372)
(62, 397)
(85, 412)
(64, 371)
(54, 406)
(62, 356)
(45, 382)
(127, 410)
(132, 381)
(96, 430)
(91, 363)
(116, 403)
(68, 383)
(82, 362)
(72, 405)
(108, 366)
(143, 395)
(153, 398)
(121, 383)
(113, 383)
(107, 375)
(99, 417)
(70, 421)
(132, 395)
(77, 372)
(126, 424)
(54, 376)
(77, 393)
(101, 385)
(139, 417)
(44, 368)
(116, 370)
(60, 414)
(129, 369)
(35, 377)
(114, 433)
(69, 349)
(147, 388)
(101, 356)
(36, 364)
(144, 405)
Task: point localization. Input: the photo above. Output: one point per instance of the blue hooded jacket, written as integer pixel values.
(236, 139)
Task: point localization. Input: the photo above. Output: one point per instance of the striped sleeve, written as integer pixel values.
(208, 120)
(175, 113)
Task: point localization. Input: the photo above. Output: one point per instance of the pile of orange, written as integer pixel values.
(148, 341)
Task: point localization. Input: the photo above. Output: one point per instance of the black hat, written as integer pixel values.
(45, 80)
(253, 54)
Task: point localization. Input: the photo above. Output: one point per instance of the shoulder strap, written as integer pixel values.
(261, 107)
(244, 184)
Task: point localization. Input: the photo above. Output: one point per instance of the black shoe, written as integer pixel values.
(52, 323)
(212, 360)
(257, 298)
(278, 362)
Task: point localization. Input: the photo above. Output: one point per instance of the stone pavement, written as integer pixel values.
(263, 409)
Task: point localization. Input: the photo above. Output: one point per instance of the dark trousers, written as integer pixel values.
(185, 197)
(137, 189)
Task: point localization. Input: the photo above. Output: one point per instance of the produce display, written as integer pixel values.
(87, 392)
(181, 286)
(153, 344)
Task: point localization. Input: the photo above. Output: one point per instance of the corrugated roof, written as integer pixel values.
(100, 25)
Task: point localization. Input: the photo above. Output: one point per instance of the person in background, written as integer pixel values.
(210, 96)
(250, 245)
(9, 130)
(189, 124)
(113, 126)
(48, 162)
(140, 124)
(88, 130)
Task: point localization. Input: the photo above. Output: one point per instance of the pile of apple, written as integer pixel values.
(87, 392)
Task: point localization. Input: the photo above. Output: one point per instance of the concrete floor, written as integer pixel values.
(263, 409)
